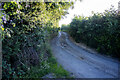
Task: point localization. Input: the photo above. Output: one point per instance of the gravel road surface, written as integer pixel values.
(82, 63)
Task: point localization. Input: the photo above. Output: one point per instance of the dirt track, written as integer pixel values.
(80, 62)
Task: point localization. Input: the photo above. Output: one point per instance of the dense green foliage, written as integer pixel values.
(100, 31)
(26, 31)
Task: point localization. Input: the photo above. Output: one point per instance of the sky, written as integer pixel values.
(85, 7)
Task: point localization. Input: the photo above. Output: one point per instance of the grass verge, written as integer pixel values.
(47, 66)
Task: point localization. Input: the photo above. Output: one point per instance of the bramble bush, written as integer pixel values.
(26, 30)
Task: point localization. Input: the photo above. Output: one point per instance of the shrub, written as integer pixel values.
(100, 31)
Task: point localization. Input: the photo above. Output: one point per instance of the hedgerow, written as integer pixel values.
(100, 31)
(26, 30)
